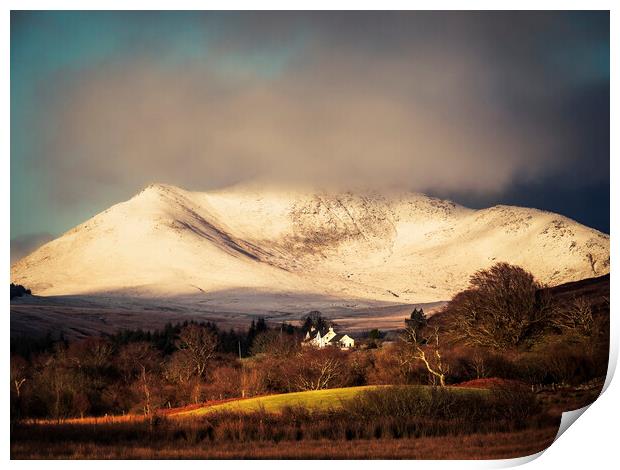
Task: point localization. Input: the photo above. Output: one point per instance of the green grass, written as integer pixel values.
(314, 400)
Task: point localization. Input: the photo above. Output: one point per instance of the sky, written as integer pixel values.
(483, 108)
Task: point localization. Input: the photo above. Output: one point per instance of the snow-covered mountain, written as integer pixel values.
(363, 247)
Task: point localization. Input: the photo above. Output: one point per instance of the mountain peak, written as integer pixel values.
(344, 245)
(159, 188)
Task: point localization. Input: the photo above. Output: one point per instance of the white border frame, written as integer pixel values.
(590, 444)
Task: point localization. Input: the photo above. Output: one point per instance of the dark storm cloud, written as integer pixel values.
(445, 102)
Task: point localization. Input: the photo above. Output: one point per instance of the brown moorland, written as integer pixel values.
(474, 446)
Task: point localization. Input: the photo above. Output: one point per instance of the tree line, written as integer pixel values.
(502, 326)
(139, 371)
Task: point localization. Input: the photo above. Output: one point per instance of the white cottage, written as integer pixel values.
(331, 338)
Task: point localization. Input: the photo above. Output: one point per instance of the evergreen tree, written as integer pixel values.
(416, 320)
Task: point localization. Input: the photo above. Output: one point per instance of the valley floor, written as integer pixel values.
(78, 317)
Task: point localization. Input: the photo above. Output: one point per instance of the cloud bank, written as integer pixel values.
(427, 101)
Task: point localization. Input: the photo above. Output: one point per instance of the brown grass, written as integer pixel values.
(557, 401)
(394, 422)
(131, 418)
(475, 446)
(113, 419)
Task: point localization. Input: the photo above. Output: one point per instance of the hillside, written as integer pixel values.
(323, 400)
(266, 248)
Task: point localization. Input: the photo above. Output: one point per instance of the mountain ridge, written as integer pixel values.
(369, 246)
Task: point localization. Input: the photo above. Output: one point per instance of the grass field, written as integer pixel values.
(313, 400)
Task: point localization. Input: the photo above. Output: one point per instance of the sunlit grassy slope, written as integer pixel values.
(315, 400)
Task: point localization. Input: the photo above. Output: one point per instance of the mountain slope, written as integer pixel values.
(405, 248)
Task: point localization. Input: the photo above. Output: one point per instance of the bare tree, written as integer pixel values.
(478, 364)
(178, 368)
(503, 308)
(139, 362)
(275, 343)
(97, 352)
(427, 350)
(19, 369)
(19, 374)
(576, 317)
(251, 382)
(316, 369)
(54, 379)
(200, 344)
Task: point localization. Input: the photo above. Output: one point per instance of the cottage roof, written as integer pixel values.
(329, 338)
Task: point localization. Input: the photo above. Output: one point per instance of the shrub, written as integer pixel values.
(512, 405)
